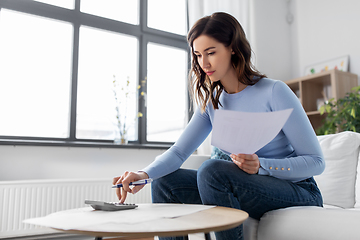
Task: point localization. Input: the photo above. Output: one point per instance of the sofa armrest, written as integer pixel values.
(195, 161)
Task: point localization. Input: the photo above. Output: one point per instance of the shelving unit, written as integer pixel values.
(313, 90)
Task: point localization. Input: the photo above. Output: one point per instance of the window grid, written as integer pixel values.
(74, 16)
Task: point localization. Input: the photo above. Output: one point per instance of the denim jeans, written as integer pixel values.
(222, 183)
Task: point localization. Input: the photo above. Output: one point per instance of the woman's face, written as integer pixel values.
(214, 58)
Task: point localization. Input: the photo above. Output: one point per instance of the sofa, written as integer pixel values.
(339, 184)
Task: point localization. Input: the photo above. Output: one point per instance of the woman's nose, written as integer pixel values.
(205, 63)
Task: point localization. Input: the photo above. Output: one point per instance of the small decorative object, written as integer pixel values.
(326, 95)
(122, 94)
(341, 64)
(319, 102)
(342, 115)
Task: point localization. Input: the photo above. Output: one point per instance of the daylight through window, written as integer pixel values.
(72, 70)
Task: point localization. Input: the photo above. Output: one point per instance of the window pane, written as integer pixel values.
(168, 15)
(125, 11)
(60, 3)
(166, 93)
(103, 55)
(35, 63)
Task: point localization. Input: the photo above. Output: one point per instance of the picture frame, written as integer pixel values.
(340, 63)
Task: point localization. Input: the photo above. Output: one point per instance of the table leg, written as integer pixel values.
(186, 237)
(207, 236)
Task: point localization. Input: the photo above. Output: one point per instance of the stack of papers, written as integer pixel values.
(85, 217)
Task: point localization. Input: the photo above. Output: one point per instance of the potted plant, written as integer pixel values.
(341, 115)
(122, 94)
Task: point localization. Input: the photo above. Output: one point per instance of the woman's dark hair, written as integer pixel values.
(225, 29)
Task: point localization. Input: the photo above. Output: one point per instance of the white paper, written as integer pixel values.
(85, 217)
(246, 132)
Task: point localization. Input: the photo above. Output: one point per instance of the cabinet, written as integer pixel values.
(313, 90)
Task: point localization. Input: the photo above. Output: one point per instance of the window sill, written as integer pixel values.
(79, 143)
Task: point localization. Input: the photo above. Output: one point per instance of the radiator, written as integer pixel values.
(21, 200)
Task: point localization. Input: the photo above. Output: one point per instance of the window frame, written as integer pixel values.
(142, 32)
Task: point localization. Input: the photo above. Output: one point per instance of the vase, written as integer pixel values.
(121, 139)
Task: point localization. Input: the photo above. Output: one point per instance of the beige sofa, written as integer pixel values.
(340, 187)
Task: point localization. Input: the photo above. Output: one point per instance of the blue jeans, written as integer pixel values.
(222, 183)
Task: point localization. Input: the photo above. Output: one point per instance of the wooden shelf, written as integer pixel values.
(313, 90)
(313, 113)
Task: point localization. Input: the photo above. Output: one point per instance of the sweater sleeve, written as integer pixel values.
(307, 159)
(194, 134)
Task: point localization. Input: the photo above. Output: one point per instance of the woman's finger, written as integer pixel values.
(120, 181)
(247, 162)
(115, 179)
(125, 180)
(128, 178)
(123, 195)
(137, 188)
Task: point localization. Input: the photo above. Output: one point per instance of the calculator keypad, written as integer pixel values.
(110, 206)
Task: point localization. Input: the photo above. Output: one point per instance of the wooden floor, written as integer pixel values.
(68, 237)
(80, 237)
(53, 237)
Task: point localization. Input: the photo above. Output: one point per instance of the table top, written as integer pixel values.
(212, 219)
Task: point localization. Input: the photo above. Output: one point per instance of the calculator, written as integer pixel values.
(110, 206)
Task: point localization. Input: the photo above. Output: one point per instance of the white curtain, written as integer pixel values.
(237, 8)
(200, 8)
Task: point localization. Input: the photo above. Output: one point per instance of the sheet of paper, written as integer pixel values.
(84, 217)
(246, 132)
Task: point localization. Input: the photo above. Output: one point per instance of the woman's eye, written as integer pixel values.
(211, 53)
(198, 56)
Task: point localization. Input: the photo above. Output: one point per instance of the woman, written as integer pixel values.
(277, 176)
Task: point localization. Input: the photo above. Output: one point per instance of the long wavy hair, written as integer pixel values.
(227, 30)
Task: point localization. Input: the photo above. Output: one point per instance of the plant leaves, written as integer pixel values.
(327, 108)
(353, 113)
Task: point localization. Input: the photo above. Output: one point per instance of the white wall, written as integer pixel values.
(321, 30)
(327, 29)
(269, 36)
(38, 162)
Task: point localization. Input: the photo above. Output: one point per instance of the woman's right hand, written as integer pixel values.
(125, 180)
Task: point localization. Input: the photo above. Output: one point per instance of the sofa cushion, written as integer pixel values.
(216, 153)
(337, 182)
(357, 186)
(298, 223)
(250, 227)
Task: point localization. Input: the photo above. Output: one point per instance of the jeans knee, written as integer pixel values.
(212, 172)
(212, 168)
(177, 187)
(206, 169)
(157, 191)
(156, 183)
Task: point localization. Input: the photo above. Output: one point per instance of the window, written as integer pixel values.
(35, 72)
(103, 58)
(125, 11)
(60, 3)
(170, 17)
(167, 109)
(68, 66)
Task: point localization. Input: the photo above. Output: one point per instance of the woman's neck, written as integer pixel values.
(232, 85)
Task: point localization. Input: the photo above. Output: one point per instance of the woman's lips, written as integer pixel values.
(210, 73)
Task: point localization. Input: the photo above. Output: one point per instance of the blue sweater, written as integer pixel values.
(294, 154)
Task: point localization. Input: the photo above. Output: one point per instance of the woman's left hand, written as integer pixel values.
(247, 162)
